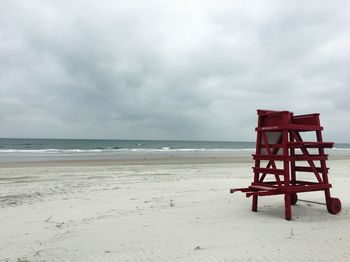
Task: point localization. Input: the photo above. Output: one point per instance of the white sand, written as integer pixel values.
(163, 212)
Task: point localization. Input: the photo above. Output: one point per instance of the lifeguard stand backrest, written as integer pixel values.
(271, 122)
(309, 119)
(273, 119)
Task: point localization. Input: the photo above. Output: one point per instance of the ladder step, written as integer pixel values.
(308, 157)
(290, 158)
(268, 171)
(258, 187)
(275, 128)
(269, 157)
(303, 144)
(309, 169)
(306, 187)
(310, 144)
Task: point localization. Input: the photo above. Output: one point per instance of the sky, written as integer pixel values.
(173, 70)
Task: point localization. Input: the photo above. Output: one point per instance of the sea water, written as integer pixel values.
(26, 145)
(22, 149)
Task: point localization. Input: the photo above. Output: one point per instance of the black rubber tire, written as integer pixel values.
(334, 206)
(293, 198)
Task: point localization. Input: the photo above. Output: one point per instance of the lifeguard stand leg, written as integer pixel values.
(257, 164)
(287, 195)
(255, 204)
(288, 209)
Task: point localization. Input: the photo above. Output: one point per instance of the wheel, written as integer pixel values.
(293, 198)
(334, 206)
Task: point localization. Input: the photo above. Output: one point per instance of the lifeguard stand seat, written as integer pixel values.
(281, 154)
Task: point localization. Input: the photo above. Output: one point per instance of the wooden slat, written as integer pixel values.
(263, 193)
(258, 187)
(290, 158)
(269, 157)
(308, 157)
(289, 127)
(269, 170)
(302, 182)
(309, 169)
(306, 188)
(245, 189)
(310, 144)
(276, 145)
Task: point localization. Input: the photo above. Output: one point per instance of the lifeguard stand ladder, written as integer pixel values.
(281, 154)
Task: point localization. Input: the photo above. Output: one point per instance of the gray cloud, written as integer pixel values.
(170, 69)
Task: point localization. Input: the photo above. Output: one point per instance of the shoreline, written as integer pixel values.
(128, 158)
(159, 158)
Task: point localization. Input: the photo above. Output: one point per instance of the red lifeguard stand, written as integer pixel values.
(281, 154)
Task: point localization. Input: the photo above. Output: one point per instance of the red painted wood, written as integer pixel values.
(279, 139)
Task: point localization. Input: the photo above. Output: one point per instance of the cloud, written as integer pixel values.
(170, 70)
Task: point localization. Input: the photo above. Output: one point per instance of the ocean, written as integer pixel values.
(92, 145)
(14, 149)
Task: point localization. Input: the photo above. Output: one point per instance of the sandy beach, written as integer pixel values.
(162, 209)
(130, 129)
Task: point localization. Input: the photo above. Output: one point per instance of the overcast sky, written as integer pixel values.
(193, 70)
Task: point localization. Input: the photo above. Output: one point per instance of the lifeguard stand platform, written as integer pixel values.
(281, 154)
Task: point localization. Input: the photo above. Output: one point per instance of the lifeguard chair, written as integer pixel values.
(281, 154)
